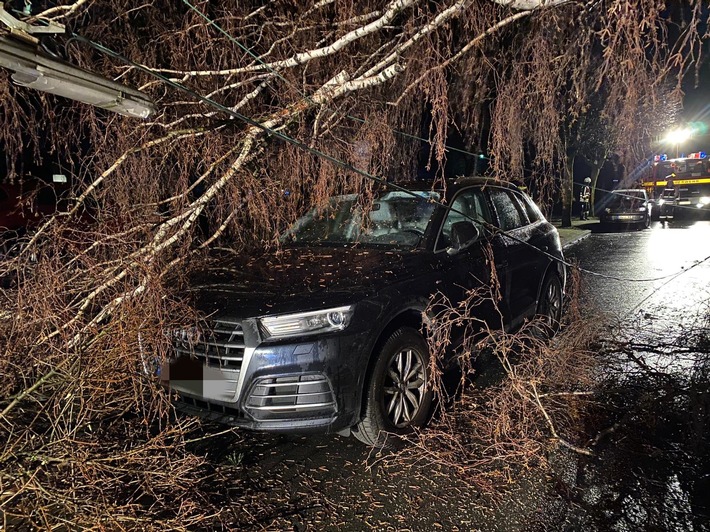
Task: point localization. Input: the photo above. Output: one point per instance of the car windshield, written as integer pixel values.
(630, 199)
(395, 219)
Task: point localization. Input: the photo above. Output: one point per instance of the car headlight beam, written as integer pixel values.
(305, 323)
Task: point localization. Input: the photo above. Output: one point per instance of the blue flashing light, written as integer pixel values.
(664, 157)
(703, 155)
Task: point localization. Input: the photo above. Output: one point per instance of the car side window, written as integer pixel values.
(469, 205)
(510, 213)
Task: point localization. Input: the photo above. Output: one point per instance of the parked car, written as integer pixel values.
(327, 334)
(22, 206)
(627, 207)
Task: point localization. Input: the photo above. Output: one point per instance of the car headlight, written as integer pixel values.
(304, 323)
(704, 200)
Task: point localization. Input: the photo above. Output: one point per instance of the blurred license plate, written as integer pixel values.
(186, 374)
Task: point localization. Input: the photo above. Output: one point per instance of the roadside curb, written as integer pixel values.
(579, 230)
(567, 243)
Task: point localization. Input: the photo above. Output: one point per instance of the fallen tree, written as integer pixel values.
(266, 110)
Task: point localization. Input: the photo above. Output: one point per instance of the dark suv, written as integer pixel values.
(326, 335)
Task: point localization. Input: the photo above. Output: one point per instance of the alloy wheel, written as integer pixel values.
(553, 302)
(404, 386)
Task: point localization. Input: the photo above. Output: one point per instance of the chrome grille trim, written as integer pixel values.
(292, 408)
(310, 393)
(300, 384)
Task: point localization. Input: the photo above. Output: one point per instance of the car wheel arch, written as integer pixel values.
(554, 268)
(411, 317)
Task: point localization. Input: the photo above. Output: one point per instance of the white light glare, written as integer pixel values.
(678, 135)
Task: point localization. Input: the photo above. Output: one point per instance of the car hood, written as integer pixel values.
(299, 279)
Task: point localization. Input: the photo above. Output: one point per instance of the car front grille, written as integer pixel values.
(221, 346)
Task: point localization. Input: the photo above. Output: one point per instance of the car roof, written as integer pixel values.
(483, 181)
(456, 184)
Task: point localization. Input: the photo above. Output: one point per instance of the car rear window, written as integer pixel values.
(532, 210)
(510, 214)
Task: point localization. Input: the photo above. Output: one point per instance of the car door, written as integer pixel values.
(523, 265)
(470, 269)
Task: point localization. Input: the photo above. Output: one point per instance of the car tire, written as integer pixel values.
(398, 396)
(549, 305)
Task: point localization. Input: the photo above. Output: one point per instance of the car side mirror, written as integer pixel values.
(463, 235)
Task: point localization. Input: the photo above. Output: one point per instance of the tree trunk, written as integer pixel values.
(596, 166)
(567, 191)
(594, 175)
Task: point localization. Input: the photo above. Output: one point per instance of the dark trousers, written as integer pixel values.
(585, 211)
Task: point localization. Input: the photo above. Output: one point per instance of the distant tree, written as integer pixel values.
(593, 135)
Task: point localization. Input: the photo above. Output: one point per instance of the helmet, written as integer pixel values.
(587, 180)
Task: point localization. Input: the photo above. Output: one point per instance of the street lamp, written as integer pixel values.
(677, 136)
(31, 67)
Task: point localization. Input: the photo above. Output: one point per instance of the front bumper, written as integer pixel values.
(305, 385)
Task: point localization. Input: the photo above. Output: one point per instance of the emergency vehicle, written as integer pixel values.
(683, 183)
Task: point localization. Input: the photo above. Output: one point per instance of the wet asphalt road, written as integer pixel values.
(664, 271)
(334, 483)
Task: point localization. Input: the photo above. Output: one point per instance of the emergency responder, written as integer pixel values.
(584, 195)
